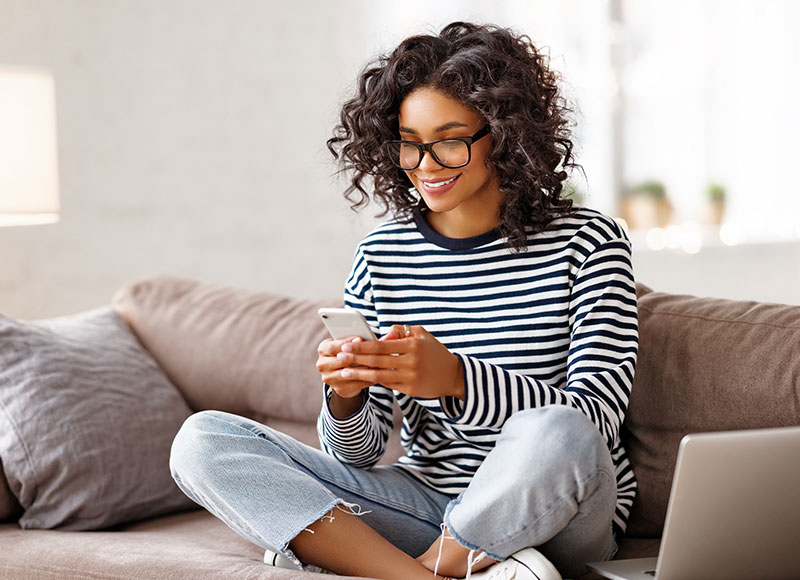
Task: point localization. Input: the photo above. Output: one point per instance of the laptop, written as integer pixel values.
(733, 513)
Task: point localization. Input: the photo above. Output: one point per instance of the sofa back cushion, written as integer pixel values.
(705, 364)
(246, 352)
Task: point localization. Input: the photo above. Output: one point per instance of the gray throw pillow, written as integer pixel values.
(86, 422)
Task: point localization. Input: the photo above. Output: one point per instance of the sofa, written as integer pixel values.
(89, 404)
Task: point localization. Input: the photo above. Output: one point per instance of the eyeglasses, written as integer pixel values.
(453, 152)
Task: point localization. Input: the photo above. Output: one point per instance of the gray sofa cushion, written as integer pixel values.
(705, 364)
(86, 422)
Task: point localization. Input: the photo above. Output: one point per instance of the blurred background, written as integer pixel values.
(188, 138)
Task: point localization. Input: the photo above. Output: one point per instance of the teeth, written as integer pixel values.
(439, 184)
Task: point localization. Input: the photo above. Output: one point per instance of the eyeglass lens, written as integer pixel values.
(449, 152)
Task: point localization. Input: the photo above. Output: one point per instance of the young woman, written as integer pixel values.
(508, 340)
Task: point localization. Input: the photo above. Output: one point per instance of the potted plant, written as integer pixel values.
(646, 206)
(715, 196)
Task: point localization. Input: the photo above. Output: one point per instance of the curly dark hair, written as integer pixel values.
(496, 73)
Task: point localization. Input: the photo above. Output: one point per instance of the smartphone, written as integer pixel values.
(344, 322)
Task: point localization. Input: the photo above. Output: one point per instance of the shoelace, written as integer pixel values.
(441, 544)
(472, 558)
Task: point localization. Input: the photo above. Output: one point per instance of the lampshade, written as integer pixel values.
(28, 156)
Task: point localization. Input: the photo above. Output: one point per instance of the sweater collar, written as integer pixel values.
(438, 239)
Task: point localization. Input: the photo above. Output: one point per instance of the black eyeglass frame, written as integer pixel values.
(423, 147)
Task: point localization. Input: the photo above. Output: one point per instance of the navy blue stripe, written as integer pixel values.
(524, 315)
(555, 301)
(490, 266)
(540, 329)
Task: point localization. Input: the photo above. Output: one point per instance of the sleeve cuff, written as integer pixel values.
(346, 423)
(461, 411)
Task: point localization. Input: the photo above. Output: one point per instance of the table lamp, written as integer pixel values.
(28, 152)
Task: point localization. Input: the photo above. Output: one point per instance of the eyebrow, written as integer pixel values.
(439, 129)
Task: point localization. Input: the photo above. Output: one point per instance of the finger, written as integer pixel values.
(397, 331)
(394, 346)
(331, 346)
(403, 331)
(328, 364)
(375, 361)
(386, 377)
(338, 383)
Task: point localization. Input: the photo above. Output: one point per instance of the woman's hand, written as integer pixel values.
(330, 367)
(415, 364)
(345, 400)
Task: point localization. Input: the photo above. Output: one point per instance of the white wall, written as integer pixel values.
(192, 143)
(192, 137)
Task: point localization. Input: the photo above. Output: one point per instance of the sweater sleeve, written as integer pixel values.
(360, 439)
(602, 354)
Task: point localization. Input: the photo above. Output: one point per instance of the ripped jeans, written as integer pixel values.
(549, 483)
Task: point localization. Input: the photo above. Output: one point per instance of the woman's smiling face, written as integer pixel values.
(463, 201)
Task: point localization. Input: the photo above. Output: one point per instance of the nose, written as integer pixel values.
(428, 163)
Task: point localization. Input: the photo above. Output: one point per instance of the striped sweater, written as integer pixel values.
(553, 325)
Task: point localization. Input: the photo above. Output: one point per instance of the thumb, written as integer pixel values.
(397, 331)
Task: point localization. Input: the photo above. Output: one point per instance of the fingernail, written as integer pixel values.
(346, 373)
(343, 356)
(347, 347)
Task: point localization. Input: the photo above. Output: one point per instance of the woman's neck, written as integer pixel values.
(454, 224)
(473, 217)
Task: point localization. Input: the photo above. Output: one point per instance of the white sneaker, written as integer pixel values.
(281, 561)
(527, 564)
(278, 560)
